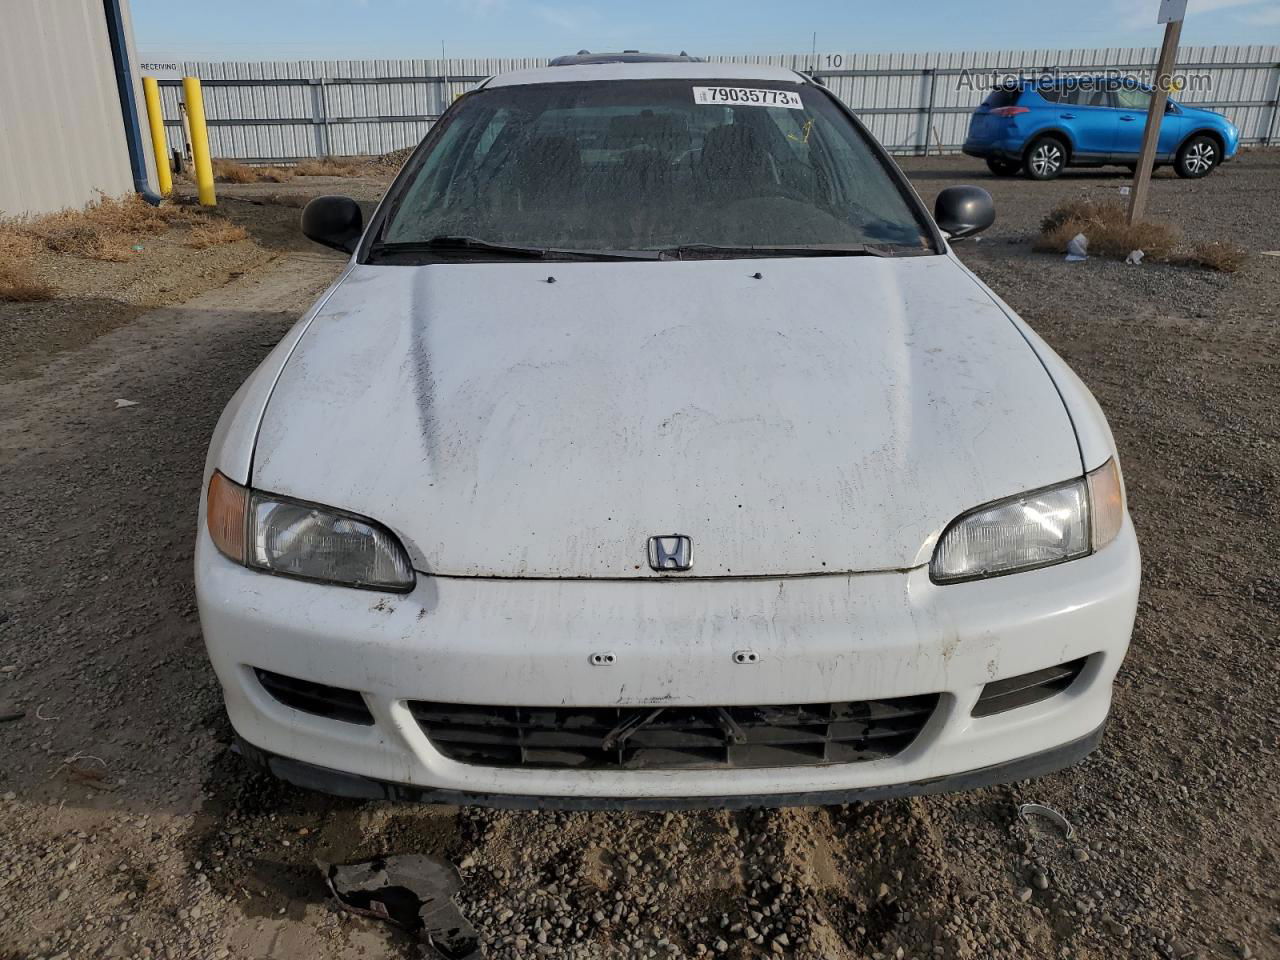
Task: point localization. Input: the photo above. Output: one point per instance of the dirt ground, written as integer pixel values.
(127, 829)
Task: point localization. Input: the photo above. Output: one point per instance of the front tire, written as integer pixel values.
(1002, 167)
(1197, 158)
(1045, 158)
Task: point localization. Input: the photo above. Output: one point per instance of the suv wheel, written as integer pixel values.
(1002, 167)
(1197, 157)
(1045, 158)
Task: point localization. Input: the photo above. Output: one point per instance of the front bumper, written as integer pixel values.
(530, 643)
(309, 776)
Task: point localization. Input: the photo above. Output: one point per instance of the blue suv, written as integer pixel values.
(1041, 126)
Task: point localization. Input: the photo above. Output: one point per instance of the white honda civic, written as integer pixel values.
(655, 449)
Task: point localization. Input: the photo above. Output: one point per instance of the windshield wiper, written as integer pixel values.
(712, 250)
(459, 244)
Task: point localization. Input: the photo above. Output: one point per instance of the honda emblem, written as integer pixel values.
(673, 553)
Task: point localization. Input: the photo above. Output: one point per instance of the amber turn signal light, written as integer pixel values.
(226, 515)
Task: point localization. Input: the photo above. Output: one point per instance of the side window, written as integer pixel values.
(1050, 94)
(1086, 96)
(1128, 98)
(1001, 97)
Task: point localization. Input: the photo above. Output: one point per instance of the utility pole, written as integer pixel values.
(444, 87)
(1171, 14)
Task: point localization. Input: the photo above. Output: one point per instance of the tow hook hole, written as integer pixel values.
(746, 656)
(602, 659)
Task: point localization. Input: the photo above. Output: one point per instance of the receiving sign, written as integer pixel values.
(161, 67)
(1171, 10)
(747, 97)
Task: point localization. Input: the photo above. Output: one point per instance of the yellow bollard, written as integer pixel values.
(199, 141)
(159, 145)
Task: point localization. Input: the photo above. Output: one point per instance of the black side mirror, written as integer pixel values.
(335, 222)
(964, 211)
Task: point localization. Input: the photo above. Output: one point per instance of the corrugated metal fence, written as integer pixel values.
(913, 102)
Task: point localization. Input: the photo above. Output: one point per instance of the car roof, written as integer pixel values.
(626, 56)
(649, 70)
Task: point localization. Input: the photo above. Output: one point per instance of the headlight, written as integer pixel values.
(304, 540)
(1032, 530)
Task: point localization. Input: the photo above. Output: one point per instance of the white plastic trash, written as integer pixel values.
(1078, 248)
(1134, 258)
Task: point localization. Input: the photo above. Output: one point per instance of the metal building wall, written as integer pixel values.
(295, 109)
(61, 133)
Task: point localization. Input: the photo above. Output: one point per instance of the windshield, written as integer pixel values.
(651, 165)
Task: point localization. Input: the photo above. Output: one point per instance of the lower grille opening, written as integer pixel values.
(1027, 688)
(656, 738)
(316, 698)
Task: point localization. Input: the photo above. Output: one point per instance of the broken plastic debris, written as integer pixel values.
(413, 891)
(1028, 810)
(1134, 258)
(126, 403)
(1078, 248)
(1124, 191)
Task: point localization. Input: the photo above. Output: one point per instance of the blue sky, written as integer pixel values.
(357, 29)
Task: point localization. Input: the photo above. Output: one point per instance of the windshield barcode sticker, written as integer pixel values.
(747, 97)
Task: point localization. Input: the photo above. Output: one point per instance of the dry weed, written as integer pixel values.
(1228, 257)
(15, 244)
(232, 171)
(109, 229)
(19, 283)
(229, 171)
(328, 167)
(215, 233)
(1107, 226)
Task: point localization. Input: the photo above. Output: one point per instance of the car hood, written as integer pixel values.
(1200, 114)
(791, 416)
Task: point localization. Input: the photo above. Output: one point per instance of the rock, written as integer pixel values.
(1024, 894)
(1040, 880)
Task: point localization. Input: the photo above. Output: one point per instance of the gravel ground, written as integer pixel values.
(130, 831)
(96, 296)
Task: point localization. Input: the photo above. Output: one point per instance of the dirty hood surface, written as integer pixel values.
(832, 415)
